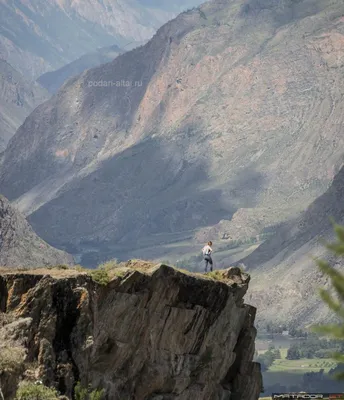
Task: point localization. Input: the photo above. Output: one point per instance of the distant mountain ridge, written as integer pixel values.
(241, 102)
(52, 81)
(44, 35)
(18, 97)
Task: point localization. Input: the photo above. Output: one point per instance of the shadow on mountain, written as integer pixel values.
(283, 11)
(313, 224)
(148, 189)
(108, 97)
(245, 187)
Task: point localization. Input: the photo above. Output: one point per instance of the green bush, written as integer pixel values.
(82, 393)
(32, 391)
(277, 354)
(266, 359)
(216, 275)
(334, 302)
(59, 266)
(101, 276)
(80, 268)
(293, 352)
(11, 358)
(96, 394)
(106, 271)
(109, 265)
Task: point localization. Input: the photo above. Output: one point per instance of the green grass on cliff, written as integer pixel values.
(112, 269)
(11, 358)
(31, 391)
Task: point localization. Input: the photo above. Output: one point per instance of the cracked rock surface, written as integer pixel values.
(154, 334)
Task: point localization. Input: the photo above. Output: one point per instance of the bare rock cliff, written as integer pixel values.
(19, 244)
(154, 334)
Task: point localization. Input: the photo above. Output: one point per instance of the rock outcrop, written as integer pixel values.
(19, 244)
(149, 334)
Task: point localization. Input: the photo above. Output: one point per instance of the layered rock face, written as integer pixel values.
(19, 244)
(154, 334)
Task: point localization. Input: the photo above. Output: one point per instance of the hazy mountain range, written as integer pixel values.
(53, 80)
(18, 97)
(44, 35)
(232, 109)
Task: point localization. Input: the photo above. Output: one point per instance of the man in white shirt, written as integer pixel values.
(207, 250)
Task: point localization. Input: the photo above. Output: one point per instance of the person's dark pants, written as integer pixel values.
(208, 260)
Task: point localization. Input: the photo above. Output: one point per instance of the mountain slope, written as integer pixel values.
(52, 81)
(39, 36)
(286, 261)
(234, 105)
(20, 246)
(18, 98)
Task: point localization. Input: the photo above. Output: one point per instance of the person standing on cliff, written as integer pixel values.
(207, 251)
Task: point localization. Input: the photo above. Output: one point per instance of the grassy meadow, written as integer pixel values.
(290, 372)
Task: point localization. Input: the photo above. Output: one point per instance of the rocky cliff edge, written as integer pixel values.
(153, 333)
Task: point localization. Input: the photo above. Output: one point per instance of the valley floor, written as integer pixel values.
(290, 373)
